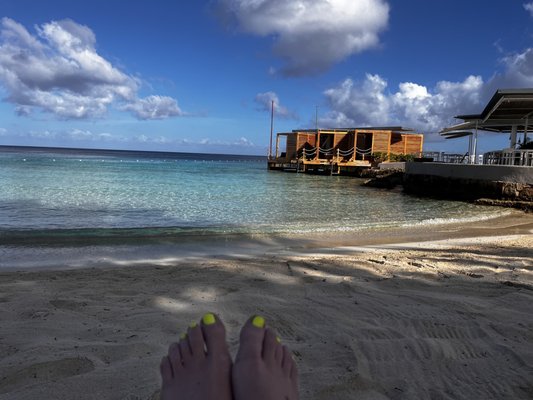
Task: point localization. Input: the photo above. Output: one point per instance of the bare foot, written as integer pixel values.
(199, 366)
(263, 369)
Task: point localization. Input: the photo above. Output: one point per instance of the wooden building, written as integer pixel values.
(342, 150)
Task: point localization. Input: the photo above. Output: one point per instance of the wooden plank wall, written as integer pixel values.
(397, 144)
(296, 141)
(338, 137)
(304, 138)
(291, 146)
(413, 144)
(381, 141)
(346, 141)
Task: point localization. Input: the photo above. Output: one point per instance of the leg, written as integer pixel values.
(199, 366)
(263, 369)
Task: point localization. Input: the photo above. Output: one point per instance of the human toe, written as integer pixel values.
(174, 356)
(252, 337)
(271, 346)
(214, 334)
(196, 340)
(166, 369)
(287, 363)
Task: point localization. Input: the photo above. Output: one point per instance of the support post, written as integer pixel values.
(388, 147)
(512, 143)
(470, 146)
(475, 145)
(352, 158)
(525, 129)
(271, 131)
(317, 145)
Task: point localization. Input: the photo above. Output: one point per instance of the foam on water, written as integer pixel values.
(460, 220)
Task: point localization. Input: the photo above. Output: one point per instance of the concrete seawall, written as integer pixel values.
(469, 182)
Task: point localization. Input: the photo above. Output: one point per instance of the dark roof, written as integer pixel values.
(370, 128)
(456, 134)
(506, 108)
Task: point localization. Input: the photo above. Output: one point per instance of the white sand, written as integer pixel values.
(447, 319)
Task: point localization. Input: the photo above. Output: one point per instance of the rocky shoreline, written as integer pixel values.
(494, 193)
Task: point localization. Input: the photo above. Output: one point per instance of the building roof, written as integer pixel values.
(456, 134)
(506, 108)
(366, 128)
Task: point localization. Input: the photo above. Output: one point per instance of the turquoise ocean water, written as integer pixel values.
(58, 192)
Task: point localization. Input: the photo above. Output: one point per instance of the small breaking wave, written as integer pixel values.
(458, 220)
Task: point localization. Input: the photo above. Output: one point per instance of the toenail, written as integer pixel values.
(183, 336)
(258, 321)
(208, 319)
(193, 325)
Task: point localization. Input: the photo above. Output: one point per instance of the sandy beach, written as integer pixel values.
(436, 313)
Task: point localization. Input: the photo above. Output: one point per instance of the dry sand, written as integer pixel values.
(448, 319)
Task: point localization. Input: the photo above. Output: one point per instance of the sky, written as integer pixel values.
(200, 76)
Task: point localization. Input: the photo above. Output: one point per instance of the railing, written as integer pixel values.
(452, 158)
(509, 157)
(500, 157)
(312, 152)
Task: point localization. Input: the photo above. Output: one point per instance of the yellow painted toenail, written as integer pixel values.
(278, 339)
(193, 325)
(258, 321)
(183, 336)
(208, 319)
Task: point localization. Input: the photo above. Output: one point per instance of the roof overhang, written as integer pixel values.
(508, 108)
(396, 129)
(456, 134)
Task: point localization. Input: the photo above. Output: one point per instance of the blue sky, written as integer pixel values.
(199, 76)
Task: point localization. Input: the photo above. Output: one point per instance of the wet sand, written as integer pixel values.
(427, 313)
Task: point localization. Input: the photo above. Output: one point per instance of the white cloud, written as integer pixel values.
(77, 135)
(370, 103)
(518, 70)
(529, 7)
(364, 102)
(86, 135)
(264, 102)
(311, 35)
(163, 140)
(154, 107)
(242, 141)
(153, 139)
(42, 135)
(59, 71)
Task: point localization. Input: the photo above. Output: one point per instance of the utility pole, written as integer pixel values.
(271, 129)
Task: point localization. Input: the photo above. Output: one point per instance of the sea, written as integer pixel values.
(57, 193)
